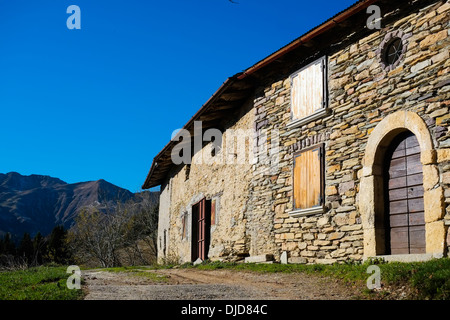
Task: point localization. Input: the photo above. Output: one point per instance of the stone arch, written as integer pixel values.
(371, 202)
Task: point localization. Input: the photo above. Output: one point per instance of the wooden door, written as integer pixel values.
(201, 224)
(406, 223)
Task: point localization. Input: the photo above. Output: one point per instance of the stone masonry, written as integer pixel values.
(254, 201)
(361, 94)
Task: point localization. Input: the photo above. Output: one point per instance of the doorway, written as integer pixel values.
(201, 227)
(404, 208)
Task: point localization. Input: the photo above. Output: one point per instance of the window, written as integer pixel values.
(187, 172)
(184, 226)
(393, 51)
(308, 93)
(308, 179)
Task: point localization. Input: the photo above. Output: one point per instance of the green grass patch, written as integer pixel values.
(431, 279)
(40, 283)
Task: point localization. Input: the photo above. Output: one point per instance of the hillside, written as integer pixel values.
(38, 203)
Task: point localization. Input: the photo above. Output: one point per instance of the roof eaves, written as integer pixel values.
(325, 26)
(148, 183)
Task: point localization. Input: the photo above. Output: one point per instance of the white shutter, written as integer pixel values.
(308, 90)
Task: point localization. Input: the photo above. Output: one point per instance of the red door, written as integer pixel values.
(201, 224)
(406, 230)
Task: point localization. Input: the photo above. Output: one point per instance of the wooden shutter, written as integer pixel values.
(308, 179)
(308, 90)
(213, 212)
(184, 226)
(201, 224)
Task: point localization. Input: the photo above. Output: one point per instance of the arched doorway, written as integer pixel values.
(374, 199)
(404, 205)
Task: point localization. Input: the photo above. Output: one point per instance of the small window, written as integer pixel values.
(308, 178)
(393, 51)
(308, 93)
(187, 172)
(184, 226)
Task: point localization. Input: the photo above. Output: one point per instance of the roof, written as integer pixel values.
(238, 88)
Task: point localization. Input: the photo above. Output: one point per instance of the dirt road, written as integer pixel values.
(195, 284)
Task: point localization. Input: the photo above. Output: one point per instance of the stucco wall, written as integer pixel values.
(163, 222)
(226, 182)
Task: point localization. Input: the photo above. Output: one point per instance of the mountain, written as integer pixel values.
(38, 203)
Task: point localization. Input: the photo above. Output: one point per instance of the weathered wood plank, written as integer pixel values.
(400, 206)
(307, 179)
(416, 219)
(398, 194)
(307, 91)
(414, 179)
(399, 220)
(396, 183)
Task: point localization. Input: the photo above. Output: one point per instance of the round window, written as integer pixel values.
(393, 51)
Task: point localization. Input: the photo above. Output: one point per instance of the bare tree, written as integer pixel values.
(10, 262)
(123, 234)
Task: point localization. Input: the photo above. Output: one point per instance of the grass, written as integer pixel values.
(40, 283)
(426, 280)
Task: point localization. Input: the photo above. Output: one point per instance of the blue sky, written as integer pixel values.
(102, 101)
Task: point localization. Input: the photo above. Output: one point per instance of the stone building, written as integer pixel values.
(344, 149)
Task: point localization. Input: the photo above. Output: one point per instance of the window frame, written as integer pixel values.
(294, 123)
(320, 208)
(187, 172)
(184, 226)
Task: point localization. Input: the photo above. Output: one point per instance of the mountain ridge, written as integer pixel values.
(37, 203)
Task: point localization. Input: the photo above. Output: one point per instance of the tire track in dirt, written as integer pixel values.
(194, 284)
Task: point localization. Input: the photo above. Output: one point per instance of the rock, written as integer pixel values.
(434, 204)
(421, 65)
(323, 221)
(346, 186)
(331, 190)
(336, 236)
(260, 258)
(350, 163)
(297, 260)
(284, 257)
(433, 38)
(326, 261)
(198, 261)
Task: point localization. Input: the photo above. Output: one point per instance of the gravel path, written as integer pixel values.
(194, 284)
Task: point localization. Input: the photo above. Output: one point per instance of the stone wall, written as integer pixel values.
(362, 92)
(254, 199)
(163, 222)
